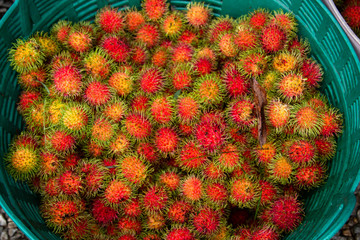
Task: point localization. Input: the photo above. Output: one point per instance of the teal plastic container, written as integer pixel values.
(327, 208)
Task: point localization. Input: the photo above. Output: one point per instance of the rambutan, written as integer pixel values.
(96, 64)
(206, 221)
(216, 194)
(166, 140)
(119, 144)
(61, 142)
(182, 53)
(273, 38)
(133, 208)
(180, 233)
(188, 109)
(285, 21)
(67, 80)
(49, 164)
(117, 192)
(191, 157)
(27, 99)
(93, 149)
(228, 157)
(129, 225)
(186, 129)
(137, 126)
(127, 237)
(148, 35)
(139, 54)
(265, 233)
(23, 162)
(241, 112)
(61, 30)
(116, 48)
(227, 45)
(161, 109)
(32, 79)
(291, 86)
(122, 83)
(139, 103)
(75, 118)
(259, 19)
(253, 62)
(245, 38)
(102, 213)
(148, 151)
(36, 117)
(179, 211)
(172, 25)
(26, 139)
(134, 20)
(48, 45)
(160, 57)
(192, 188)
(71, 161)
(312, 72)
(210, 135)
(310, 176)
(154, 9)
(286, 61)
(198, 15)
(111, 165)
(170, 179)
(155, 199)
(332, 121)
(306, 120)
(155, 221)
(26, 55)
(151, 80)
(61, 213)
(50, 187)
(188, 37)
(80, 40)
(110, 20)
(281, 170)
(268, 192)
(244, 192)
(102, 131)
(236, 84)
(70, 183)
(325, 147)
(209, 89)
(97, 93)
(181, 76)
(115, 110)
(213, 171)
(133, 168)
(286, 212)
(93, 176)
(218, 27)
(300, 151)
(266, 153)
(278, 114)
(204, 66)
(351, 14)
(269, 82)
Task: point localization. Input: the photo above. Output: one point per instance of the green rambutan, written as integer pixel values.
(75, 118)
(218, 27)
(180, 233)
(116, 48)
(170, 179)
(206, 221)
(32, 79)
(139, 102)
(172, 25)
(155, 199)
(133, 168)
(306, 120)
(80, 40)
(325, 147)
(103, 131)
(291, 86)
(133, 208)
(69, 183)
(23, 162)
(286, 212)
(61, 30)
(181, 76)
(332, 121)
(244, 192)
(97, 93)
(96, 64)
(259, 19)
(192, 188)
(67, 81)
(273, 38)
(26, 55)
(209, 89)
(310, 176)
(198, 15)
(134, 20)
(179, 211)
(182, 53)
(61, 213)
(148, 34)
(102, 213)
(278, 114)
(122, 82)
(137, 126)
(228, 157)
(235, 82)
(253, 62)
(117, 192)
(227, 46)
(281, 170)
(110, 20)
(151, 79)
(154, 9)
(245, 38)
(166, 140)
(161, 109)
(191, 157)
(147, 151)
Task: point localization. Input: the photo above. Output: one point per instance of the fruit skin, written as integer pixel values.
(155, 199)
(206, 221)
(166, 140)
(80, 40)
(161, 109)
(148, 35)
(97, 94)
(309, 177)
(116, 48)
(235, 82)
(137, 126)
(190, 156)
(181, 76)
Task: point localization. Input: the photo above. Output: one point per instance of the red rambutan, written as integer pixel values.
(155, 199)
(161, 109)
(278, 114)
(310, 176)
(191, 156)
(187, 108)
(325, 147)
(220, 26)
(216, 193)
(61, 30)
(241, 112)
(61, 142)
(180, 233)
(117, 48)
(286, 212)
(351, 14)
(151, 80)
(182, 53)
(116, 192)
(129, 225)
(102, 213)
(97, 93)
(102, 131)
(139, 103)
(291, 86)
(27, 99)
(179, 211)
(236, 84)
(312, 72)
(259, 19)
(265, 233)
(32, 79)
(301, 151)
(133, 208)
(110, 20)
(253, 63)
(148, 151)
(67, 81)
(170, 179)
(166, 140)
(268, 192)
(331, 123)
(203, 65)
(139, 54)
(70, 183)
(206, 221)
(273, 38)
(148, 35)
(245, 38)
(181, 76)
(137, 126)
(213, 171)
(244, 192)
(154, 9)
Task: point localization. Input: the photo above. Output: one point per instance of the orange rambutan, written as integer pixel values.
(23, 162)
(281, 170)
(209, 89)
(188, 108)
(244, 192)
(172, 25)
(115, 110)
(278, 114)
(103, 131)
(97, 93)
(306, 120)
(160, 57)
(122, 82)
(80, 40)
(198, 15)
(266, 153)
(182, 53)
(32, 79)
(192, 188)
(245, 38)
(67, 80)
(117, 192)
(191, 157)
(154, 9)
(69, 183)
(213, 171)
(119, 144)
(148, 34)
(179, 211)
(285, 21)
(227, 46)
(96, 64)
(166, 140)
(151, 80)
(133, 168)
(49, 164)
(134, 20)
(228, 157)
(286, 61)
(110, 20)
(75, 118)
(253, 63)
(170, 179)
(291, 86)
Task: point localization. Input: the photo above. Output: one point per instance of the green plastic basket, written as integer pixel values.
(327, 208)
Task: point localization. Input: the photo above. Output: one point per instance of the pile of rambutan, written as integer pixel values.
(166, 124)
